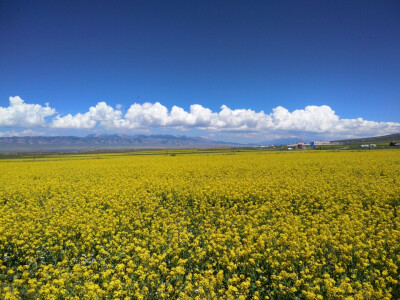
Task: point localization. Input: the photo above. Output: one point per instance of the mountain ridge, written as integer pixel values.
(375, 139)
(104, 142)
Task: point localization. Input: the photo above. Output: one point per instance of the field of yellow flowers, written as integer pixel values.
(267, 225)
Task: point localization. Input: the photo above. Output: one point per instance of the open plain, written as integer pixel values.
(229, 225)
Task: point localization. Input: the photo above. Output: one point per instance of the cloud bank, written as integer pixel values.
(20, 114)
(311, 119)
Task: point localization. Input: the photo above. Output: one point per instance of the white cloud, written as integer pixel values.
(20, 114)
(101, 113)
(146, 115)
(314, 119)
(157, 115)
(321, 120)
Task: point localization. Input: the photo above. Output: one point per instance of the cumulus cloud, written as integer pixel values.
(20, 114)
(311, 119)
(101, 113)
(314, 119)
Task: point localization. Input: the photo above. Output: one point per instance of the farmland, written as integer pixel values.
(248, 225)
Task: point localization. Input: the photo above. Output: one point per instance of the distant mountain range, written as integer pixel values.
(131, 142)
(103, 142)
(376, 139)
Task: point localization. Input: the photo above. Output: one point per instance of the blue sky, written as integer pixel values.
(338, 58)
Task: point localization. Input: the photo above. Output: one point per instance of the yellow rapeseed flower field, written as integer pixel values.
(270, 225)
